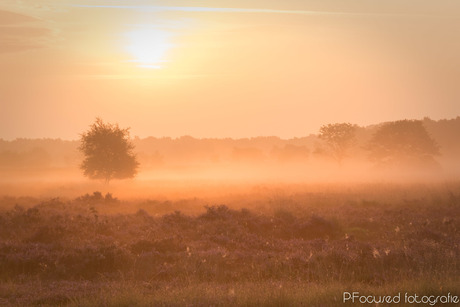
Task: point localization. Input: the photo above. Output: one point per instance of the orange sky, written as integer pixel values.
(224, 68)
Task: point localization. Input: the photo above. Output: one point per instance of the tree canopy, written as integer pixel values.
(108, 152)
(339, 137)
(403, 142)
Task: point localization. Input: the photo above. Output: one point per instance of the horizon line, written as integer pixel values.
(226, 137)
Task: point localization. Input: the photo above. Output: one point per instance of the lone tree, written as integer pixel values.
(403, 143)
(108, 152)
(339, 138)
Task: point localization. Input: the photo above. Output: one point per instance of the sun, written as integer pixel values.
(148, 46)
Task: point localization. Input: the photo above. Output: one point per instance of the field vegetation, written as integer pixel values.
(273, 246)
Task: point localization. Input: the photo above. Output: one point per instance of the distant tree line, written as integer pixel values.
(404, 143)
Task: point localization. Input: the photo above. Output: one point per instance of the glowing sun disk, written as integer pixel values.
(148, 46)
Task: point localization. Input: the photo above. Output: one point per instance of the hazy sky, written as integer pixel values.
(224, 68)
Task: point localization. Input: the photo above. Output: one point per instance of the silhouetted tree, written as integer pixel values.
(338, 137)
(108, 152)
(403, 143)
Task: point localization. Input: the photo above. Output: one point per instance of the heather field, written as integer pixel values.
(268, 246)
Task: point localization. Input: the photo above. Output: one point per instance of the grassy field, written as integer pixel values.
(272, 246)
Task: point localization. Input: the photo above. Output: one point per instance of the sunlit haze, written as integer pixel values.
(224, 68)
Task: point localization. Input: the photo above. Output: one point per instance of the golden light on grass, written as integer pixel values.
(148, 46)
